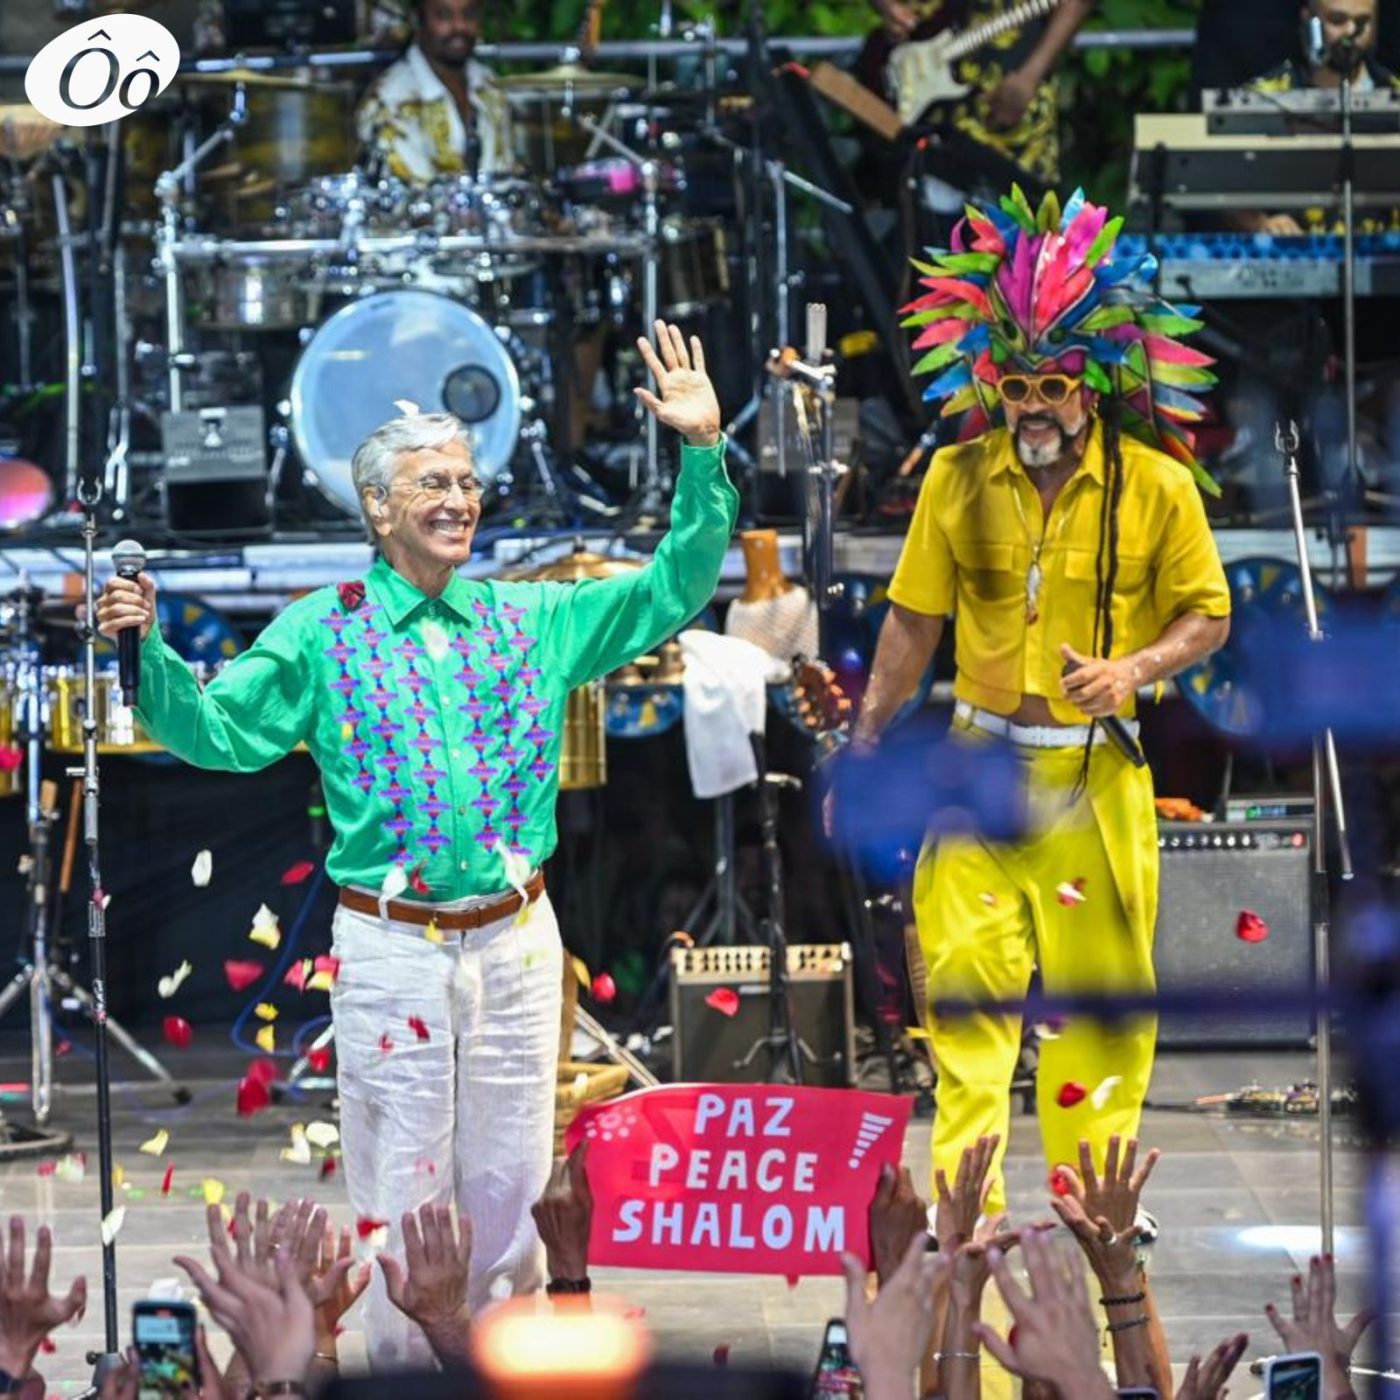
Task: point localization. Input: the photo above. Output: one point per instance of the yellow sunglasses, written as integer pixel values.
(1054, 389)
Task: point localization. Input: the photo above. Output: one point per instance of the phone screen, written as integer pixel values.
(164, 1338)
(1295, 1378)
(836, 1372)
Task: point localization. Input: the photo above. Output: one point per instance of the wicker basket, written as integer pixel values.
(579, 1084)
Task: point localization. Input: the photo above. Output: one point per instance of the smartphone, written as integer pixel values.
(1297, 1376)
(163, 1333)
(836, 1372)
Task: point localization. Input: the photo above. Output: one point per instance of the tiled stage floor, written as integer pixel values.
(1235, 1197)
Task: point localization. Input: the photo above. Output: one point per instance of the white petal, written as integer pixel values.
(322, 1135)
(395, 882)
(202, 869)
(1104, 1092)
(407, 407)
(112, 1223)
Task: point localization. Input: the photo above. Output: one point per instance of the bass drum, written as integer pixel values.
(411, 345)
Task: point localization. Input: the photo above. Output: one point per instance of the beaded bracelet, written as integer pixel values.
(1130, 1322)
(1125, 1300)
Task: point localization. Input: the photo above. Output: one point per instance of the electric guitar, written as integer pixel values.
(919, 72)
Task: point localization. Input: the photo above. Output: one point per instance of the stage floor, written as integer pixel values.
(1237, 1200)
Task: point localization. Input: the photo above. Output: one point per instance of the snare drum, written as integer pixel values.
(694, 266)
(251, 294)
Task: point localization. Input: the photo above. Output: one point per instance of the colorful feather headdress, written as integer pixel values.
(1020, 288)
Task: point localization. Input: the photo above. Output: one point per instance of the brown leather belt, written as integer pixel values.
(448, 920)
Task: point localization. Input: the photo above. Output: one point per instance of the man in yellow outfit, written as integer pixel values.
(1065, 535)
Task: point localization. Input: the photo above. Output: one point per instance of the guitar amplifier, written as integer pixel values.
(719, 1013)
(1211, 873)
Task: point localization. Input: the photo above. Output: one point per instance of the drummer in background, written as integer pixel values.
(438, 111)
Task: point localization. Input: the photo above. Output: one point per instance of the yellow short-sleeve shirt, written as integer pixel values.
(971, 543)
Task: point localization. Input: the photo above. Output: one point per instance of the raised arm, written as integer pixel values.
(251, 714)
(600, 624)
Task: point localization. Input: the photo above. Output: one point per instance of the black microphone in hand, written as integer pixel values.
(1116, 730)
(128, 559)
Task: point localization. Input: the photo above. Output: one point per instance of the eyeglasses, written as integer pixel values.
(1054, 389)
(437, 487)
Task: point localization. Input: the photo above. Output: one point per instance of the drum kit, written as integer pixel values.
(258, 264)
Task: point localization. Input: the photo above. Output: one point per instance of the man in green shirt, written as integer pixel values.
(434, 707)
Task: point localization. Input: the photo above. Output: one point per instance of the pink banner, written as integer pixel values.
(737, 1178)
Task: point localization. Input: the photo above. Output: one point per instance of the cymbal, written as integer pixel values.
(252, 79)
(567, 76)
(581, 564)
(25, 132)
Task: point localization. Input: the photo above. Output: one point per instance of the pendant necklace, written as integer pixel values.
(1035, 575)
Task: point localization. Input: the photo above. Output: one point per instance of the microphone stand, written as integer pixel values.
(1347, 52)
(108, 1360)
(1326, 784)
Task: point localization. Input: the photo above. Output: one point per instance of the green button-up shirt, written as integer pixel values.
(437, 722)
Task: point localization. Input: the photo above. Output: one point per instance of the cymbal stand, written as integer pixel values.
(167, 188)
(656, 486)
(14, 208)
(1327, 785)
(31, 715)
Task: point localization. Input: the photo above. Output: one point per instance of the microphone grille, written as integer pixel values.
(128, 557)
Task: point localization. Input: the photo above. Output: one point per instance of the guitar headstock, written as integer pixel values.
(823, 709)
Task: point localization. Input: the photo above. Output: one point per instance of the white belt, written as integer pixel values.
(1034, 736)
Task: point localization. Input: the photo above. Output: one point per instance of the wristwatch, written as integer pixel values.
(569, 1285)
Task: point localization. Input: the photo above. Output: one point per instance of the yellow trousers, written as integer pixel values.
(1078, 899)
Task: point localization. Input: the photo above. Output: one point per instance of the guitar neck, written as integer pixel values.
(973, 39)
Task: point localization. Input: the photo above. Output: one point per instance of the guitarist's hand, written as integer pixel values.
(1008, 101)
(899, 19)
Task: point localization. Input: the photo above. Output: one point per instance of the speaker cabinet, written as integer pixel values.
(1211, 873)
(722, 1040)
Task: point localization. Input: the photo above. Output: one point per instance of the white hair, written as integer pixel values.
(376, 458)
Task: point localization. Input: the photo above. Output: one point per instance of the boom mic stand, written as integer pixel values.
(1326, 784)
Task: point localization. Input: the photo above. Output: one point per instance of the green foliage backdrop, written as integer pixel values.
(1103, 87)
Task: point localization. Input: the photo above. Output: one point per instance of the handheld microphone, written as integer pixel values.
(1317, 43)
(1116, 730)
(128, 559)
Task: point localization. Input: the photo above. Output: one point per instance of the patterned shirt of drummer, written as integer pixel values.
(437, 722)
(409, 118)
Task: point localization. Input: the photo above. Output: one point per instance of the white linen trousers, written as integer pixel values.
(466, 1115)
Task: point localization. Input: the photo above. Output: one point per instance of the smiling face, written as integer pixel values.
(426, 520)
(1344, 20)
(448, 30)
(1044, 432)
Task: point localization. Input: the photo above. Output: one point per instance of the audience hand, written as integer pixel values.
(564, 1216)
(889, 1335)
(1112, 1257)
(1115, 1195)
(955, 1219)
(336, 1283)
(271, 1323)
(1205, 1380)
(433, 1291)
(1054, 1338)
(1314, 1326)
(972, 1263)
(28, 1311)
(897, 1214)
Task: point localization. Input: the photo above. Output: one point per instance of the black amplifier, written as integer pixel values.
(719, 1013)
(1212, 874)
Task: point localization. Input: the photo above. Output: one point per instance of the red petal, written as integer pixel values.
(253, 1096)
(725, 1000)
(419, 1028)
(1071, 1094)
(11, 756)
(326, 963)
(604, 988)
(295, 874)
(297, 974)
(166, 1180)
(264, 1071)
(386, 1043)
(63, 1047)
(328, 1167)
(242, 974)
(366, 1225)
(417, 883)
(48, 1346)
(178, 1032)
(1250, 928)
(722, 1355)
(1059, 1182)
(319, 1060)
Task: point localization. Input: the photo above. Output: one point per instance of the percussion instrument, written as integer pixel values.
(250, 294)
(118, 729)
(544, 135)
(413, 345)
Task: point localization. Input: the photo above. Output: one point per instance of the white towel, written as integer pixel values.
(726, 700)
